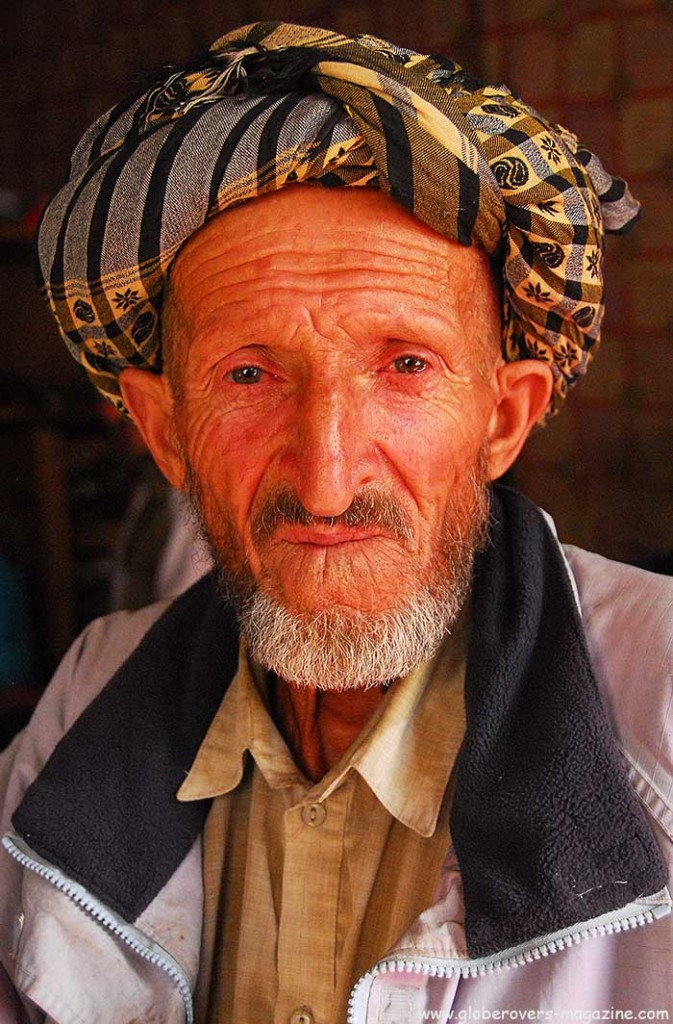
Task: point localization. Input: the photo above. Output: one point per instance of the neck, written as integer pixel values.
(320, 725)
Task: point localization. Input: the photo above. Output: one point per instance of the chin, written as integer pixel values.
(343, 647)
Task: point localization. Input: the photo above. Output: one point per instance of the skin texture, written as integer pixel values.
(327, 345)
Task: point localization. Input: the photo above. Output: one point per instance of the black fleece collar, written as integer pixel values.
(546, 827)
(544, 821)
(103, 809)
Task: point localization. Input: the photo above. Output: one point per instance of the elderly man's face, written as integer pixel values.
(336, 377)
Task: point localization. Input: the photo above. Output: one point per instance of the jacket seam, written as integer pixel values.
(637, 773)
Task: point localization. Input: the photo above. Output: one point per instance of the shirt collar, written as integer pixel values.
(405, 753)
(242, 722)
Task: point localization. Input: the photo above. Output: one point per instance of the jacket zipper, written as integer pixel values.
(132, 937)
(633, 915)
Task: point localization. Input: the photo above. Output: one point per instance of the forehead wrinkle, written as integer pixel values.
(434, 283)
(226, 305)
(407, 259)
(308, 281)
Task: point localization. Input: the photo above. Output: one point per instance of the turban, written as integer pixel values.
(271, 104)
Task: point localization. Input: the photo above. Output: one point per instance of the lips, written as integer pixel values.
(324, 536)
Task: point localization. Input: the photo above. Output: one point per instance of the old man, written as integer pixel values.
(401, 757)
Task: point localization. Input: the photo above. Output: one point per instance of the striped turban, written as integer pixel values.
(272, 104)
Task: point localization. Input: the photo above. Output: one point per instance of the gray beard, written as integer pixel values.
(346, 649)
(339, 648)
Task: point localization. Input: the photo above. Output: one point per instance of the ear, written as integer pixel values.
(523, 391)
(149, 399)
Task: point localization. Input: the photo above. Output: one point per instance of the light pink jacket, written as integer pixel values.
(65, 957)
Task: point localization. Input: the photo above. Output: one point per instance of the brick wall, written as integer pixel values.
(605, 69)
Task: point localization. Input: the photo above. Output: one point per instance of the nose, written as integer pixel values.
(334, 454)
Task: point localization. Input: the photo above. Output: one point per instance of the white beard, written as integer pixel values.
(345, 649)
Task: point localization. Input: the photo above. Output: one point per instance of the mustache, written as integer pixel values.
(371, 509)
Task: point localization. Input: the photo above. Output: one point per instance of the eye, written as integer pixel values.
(410, 364)
(246, 375)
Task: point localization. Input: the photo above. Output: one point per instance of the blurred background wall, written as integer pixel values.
(604, 68)
(605, 466)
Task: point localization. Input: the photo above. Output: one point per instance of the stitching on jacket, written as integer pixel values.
(637, 775)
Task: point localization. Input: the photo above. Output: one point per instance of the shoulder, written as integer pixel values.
(620, 587)
(94, 658)
(628, 620)
(89, 664)
(165, 665)
(627, 614)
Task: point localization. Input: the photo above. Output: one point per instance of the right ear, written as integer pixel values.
(149, 399)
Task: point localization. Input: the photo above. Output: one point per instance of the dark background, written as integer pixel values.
(603, 468)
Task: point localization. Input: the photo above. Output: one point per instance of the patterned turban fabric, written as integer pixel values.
(272, 104)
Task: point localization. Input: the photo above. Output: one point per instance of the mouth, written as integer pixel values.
(325, 536)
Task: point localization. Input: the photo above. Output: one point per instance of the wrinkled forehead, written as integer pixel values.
(304, 228)
(350, 254)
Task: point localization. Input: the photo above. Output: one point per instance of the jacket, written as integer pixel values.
(553, 900)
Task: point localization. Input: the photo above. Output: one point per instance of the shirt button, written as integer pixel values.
(302, 1015)
(313, 815)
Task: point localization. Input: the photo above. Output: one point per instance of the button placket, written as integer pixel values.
(306, 950)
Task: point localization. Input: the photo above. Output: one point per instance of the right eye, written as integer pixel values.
(410, 364)
(246, 375)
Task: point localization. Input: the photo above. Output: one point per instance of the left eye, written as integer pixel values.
(246, 375)
(410, 364)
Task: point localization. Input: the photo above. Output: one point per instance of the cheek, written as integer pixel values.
(432, 445)
(228, 454)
